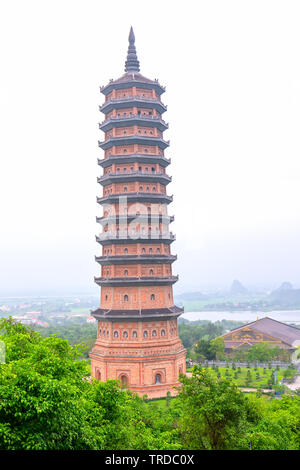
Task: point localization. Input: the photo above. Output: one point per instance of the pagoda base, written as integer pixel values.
(153, 376)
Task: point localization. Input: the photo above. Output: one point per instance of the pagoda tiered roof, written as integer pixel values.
(134, 157)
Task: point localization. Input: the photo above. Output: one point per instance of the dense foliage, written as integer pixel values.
(48, 401)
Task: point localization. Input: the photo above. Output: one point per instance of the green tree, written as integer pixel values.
(215, 413)
(217, 348)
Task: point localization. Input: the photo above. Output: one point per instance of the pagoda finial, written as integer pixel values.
(132, 64)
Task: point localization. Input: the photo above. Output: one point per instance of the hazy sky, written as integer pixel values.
(232, 72)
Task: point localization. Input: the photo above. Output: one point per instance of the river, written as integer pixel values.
(285, 316)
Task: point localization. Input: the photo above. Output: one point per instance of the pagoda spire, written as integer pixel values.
(132, 64)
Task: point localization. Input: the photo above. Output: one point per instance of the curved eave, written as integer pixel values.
(151, 197)
(124, 219)
(136, 281)
(136, 259)
(132, 158)
(133, 101)
(138, 238)
(110, 178)
(111, 123)
(161, 313)
(135, 139)
(105, 90)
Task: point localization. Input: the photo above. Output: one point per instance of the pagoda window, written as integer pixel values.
(145, 334)
(150, 250)
(125, 150)
(125, 334)
(157, 250)
(153, 170)
(150, 113)
(147, 189)
(116, 334)
(107, 333)
(131, 169)
(146, 169)
(124, 170)
(125, 189)
(146, 150)
(154, 333)
(118, 170)
(143, 250)
(125, 298)
(124, 381)
(158, 378)
(126, 251)
(163, 333)
(152, 297)
(139, 131)
(140, 168)
(124, 132)
(126, 272)
(151, 272)
(100, 332)
(139, 113)
(134, 334)
(106, 297)
(151, 132)
(141, 189)
(153, 189)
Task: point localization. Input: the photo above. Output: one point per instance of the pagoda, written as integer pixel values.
(137, 337)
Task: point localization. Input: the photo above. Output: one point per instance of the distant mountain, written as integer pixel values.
(285, 286)
(191, 296)
(286, 295)
(237, 288)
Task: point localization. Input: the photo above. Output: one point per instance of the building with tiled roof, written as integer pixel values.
(265, 329)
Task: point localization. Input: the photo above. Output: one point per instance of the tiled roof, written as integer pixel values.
(133, 77)
(277, 329)
(138, 313)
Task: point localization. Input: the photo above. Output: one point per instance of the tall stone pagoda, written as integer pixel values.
(137, 340)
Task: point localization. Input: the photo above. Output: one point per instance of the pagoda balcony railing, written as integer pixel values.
(128, 139)
(133, 97)
(137, 195)
(125, 174)
(127, 99)
(133, 117)
(131, 157)
(143, 117)
(146, 280)
(139, 258)
(124, 217)
(135, 234)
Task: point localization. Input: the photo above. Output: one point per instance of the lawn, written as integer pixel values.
(259, 377)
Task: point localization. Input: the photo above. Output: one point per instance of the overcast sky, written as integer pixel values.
(232, 72)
